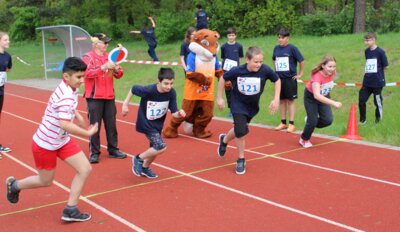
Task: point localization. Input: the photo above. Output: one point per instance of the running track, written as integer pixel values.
(333, 186)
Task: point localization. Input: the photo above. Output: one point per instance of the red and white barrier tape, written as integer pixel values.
(152, 62)
(22, 61)
(341, 84)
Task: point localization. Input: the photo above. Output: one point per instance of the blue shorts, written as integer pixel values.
(156, 141)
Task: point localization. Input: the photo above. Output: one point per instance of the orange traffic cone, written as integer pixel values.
(352, 128)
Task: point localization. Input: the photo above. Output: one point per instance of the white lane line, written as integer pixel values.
(263, 154)
(95, 205)
(319, 218)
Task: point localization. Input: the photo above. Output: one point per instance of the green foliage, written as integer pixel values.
(171, 26)
(386, 19)
(26, 20)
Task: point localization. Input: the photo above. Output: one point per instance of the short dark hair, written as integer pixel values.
(199, 6)
(166, 73)
(284, 32)
(231, 30)
(73, 65)
(370, 35)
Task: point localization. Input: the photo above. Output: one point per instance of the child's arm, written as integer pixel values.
(81, 122)
(301, 71)
(153, 24)
(179, 114)
(125, 108)
(220, 99)
(274, 105)
(316, 87)
(74, 129)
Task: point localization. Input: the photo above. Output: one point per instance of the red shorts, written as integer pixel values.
(46, 159)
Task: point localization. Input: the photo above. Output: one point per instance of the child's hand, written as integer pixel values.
(273, 107)
(337, 105)
(182, 113)
(221, 104)
(93, 129)
(125, 109)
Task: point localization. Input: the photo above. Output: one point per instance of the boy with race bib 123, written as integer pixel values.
(374, 78)
(317, 100)
(156, 100)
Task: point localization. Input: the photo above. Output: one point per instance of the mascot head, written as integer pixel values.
(205, 44)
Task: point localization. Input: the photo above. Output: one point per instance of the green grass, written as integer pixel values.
(348, 50)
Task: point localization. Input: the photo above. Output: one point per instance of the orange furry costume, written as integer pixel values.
(198, 101)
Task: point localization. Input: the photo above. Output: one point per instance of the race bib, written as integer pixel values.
(326, 88)
(3, 78)
(282, 64)
(249, 85)
(228, 64)
(371, 66)
(156, 110)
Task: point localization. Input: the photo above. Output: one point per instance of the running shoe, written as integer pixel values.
(222, 146)
(74, 215)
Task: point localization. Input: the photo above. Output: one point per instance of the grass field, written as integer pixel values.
(348, 50)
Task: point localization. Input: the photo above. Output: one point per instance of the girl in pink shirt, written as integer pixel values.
(317, 100)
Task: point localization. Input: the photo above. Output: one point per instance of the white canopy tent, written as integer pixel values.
(60, 42)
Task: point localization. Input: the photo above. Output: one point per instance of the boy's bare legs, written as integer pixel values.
(43, 179)
(283, 107)
(150, 155)
(83, 169)
(292, 111)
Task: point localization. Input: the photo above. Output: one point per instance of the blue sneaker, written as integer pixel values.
(149, 173)
(222, 146)
(137, 166)
(240, 166)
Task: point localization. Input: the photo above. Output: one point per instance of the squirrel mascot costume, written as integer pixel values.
(198, 100)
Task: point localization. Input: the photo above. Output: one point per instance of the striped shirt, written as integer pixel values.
(61, 106)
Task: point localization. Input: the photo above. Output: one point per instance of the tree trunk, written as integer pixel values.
(359, 16)
(310, 7)
(378, 4)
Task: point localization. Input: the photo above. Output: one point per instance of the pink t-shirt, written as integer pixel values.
(325, 82)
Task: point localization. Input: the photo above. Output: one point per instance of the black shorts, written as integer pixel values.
(288, 89)
(241, 125)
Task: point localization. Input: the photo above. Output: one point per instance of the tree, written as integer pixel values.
(310, 7)
(378, 4)
(359, 16)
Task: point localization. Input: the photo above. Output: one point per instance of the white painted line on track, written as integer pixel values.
(118, 218)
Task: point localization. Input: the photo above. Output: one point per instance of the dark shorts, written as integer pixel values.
(156, 141)
(241, 125)
(1, 103)
(288, 89)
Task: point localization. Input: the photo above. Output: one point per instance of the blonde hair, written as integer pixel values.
(2, 33)
(324, 61)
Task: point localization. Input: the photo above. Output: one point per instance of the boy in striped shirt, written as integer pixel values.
(52, 140)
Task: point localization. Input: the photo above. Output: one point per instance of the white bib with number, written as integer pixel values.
(326, 88)
(282, 64)
(156, 110)
(371, 66)
(249, 85)
(3, 78)
(228, 64)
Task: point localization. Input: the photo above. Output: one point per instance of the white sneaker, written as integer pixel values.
(305, 143)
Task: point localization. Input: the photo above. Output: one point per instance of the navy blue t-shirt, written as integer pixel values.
(202, 21)
(153, 107)
(247, 88)
(5, 63)
(184, 50)
(376, 61)
(286, 59)
(149, 35)
(232, 52)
